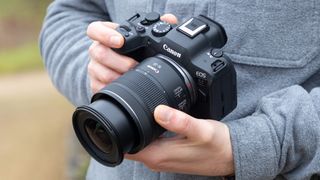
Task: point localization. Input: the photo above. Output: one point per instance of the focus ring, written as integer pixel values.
(144, 88)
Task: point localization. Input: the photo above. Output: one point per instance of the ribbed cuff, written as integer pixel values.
(254, 148)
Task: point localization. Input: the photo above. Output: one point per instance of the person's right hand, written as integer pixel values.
(106, 65)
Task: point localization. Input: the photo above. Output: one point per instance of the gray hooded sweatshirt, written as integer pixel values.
(275, 47)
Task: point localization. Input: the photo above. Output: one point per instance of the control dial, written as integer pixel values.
(150, 18)
(161, 29)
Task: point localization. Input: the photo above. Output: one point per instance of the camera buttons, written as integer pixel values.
(124, 30)
(161, 29)
(218, 65)
(150, 18)
(217, 53)
(133, 18)
(153, 17)
(140, 29)
(192, 27)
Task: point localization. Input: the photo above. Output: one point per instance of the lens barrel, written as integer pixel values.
(116, 133)
(120, 118)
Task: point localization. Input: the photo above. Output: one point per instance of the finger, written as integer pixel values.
(145, 154)
(180, 122)
(179, 158)
(176, 137)
(101, 73)
(105, 33)
(169, 18)
(96, 85)
(111, 59)
(163, 152)
(110, 24)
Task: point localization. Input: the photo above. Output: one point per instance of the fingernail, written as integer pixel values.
(115, 40)
(163, 114)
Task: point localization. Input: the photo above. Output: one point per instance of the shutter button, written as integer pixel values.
(151, 18)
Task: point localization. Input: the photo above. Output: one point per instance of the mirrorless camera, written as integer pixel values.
(180, 66)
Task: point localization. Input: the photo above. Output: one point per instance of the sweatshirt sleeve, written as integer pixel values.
(64, 45)
(281, 138)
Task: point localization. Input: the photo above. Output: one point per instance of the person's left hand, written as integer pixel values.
(202, 147)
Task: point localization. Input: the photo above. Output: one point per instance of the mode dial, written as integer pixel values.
(161, 29)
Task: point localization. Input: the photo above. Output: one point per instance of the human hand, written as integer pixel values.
(202, 147)
(106, 65)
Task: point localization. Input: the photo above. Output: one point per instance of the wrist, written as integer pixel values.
(228, 154)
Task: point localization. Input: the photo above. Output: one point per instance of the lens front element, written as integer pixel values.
(98, 136)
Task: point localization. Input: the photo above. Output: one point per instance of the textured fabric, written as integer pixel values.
(275, 46)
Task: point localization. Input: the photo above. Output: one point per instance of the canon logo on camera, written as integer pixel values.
(171, 51)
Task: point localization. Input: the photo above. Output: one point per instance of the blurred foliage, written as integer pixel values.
(20, 23)
(20, 59)
(24, 9)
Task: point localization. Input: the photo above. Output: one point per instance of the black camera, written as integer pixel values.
(180, 66)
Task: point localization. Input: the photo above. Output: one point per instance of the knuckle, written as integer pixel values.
(154, 163)
(109, 24)
(184, 121)
(128, 65)
(170, 18)
(97, 52)
(94, 87)
(92, 48)
(90, 67)
(132, 63)
(108, 76)
(91, 28)
(207, 136)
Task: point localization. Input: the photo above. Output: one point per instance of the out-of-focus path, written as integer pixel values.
(35, 123)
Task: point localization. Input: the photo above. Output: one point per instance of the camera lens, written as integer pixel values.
(120, 118)
(105, 131)
(98, 135)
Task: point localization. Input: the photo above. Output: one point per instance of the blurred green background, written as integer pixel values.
(20, 22)
(36, 139)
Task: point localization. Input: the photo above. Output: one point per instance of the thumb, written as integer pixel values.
(179, 122)
(169, 18)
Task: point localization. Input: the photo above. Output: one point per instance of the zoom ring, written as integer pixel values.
(145, 88)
